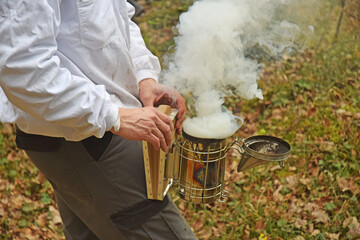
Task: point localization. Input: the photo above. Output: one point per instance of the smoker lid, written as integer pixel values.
(201, 140)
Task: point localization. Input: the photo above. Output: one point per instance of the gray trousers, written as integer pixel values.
(88, 191)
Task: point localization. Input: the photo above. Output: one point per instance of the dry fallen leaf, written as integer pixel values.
(17, 202)
(334, 236)
(353, 225)
(344, 113)
(235, 176)
(347, 185)
(8, 129)
(277, 114)
(320, 216)
(55, 216)
(315, 232)
(327, 146)
(299, 238)
(277, 195)
(216, 231)
(205, 233)
(292, 168)
(42, 219)
(311, 207)
(311, 227)
(300, 99)
(275, 167)
(300, 223)
(292, 182)
(198, 224)
(306, 182)
(28, 234)
(296, 206)
(2, 212)
(181, 206)
(40, 178)
(260, 225)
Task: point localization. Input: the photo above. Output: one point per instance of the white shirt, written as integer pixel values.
(67, 65)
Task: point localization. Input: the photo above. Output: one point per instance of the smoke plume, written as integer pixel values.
(218, 53)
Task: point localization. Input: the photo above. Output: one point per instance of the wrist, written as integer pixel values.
(146, 82)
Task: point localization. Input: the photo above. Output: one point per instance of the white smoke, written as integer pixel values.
(216, 53)
(212, 118)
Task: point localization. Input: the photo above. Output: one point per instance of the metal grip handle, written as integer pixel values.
(238, 146)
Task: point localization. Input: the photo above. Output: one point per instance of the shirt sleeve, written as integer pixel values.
(146, 64)
(31, 76)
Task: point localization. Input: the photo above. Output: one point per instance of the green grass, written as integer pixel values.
(311, 99)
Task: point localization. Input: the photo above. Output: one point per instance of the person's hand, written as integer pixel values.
(147, 124)
(155, 94)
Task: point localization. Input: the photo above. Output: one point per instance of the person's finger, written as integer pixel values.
(165, 125)
(159, 127)
(179, 124)
(162, 141)
(165, 118)
(181, 106)
(180, 117)
(154, 141)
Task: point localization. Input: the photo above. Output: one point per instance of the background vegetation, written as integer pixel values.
(311, 99)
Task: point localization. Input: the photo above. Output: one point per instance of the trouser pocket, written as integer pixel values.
(138, 214)
(96, 147)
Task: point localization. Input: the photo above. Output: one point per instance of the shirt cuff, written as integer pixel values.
(112, 116)
(143, 74)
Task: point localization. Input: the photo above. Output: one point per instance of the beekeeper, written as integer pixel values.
(81, 86)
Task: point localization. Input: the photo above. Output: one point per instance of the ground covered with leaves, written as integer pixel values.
(311, 99)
